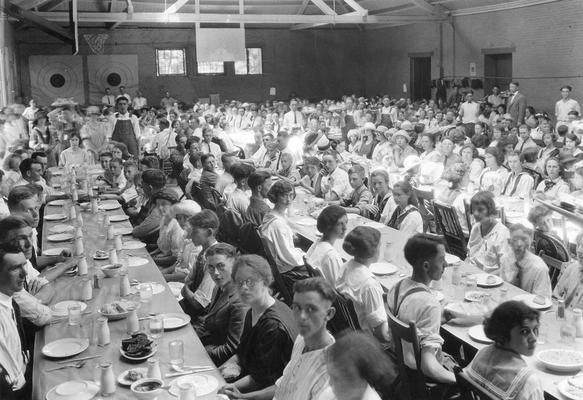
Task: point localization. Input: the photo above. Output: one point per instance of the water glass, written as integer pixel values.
(145, 290)
(156, 326)
(471, 284)
(176, 350)
(74, 315)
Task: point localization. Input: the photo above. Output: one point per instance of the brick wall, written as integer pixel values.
(547, 41)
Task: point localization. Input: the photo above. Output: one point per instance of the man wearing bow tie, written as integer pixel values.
(126, 127)
(516, 104)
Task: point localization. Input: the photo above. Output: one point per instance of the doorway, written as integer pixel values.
(420, 78)
(497, 71)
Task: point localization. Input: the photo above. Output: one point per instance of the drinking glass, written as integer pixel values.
(156, 326)
(145, 297)
(471, 284)
(74, 315)
(176, 350)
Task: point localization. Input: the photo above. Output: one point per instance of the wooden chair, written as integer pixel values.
(249, 240)
(555, 267)
(313, 272)
(468, 213)
(552, 246)
(448, 224)
(229, 224)
(469, 390)
(425, 199)
(279, 284)
(345, 317)
(413, 381)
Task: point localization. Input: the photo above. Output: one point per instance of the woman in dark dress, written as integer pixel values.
(268, 334)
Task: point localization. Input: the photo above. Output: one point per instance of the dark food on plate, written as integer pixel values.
(147, 386)
(114, 308)
(101, 253)
(134, 375)
(139, 345)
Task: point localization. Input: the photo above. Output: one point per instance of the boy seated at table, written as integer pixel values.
(360, 197)
(104, 159)
(522, 268)
(288, 169)
(411, 300)
(114, 176)
(311, 180)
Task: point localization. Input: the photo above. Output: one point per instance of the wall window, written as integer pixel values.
(170, 62)
(210, 67)
(253, 65)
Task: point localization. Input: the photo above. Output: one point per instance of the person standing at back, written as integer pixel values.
(126, 127)
(516, 104)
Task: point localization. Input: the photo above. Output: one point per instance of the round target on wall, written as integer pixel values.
(112, 71)
(52, 77)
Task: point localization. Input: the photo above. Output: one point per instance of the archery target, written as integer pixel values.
(112, 71)
(56, 76)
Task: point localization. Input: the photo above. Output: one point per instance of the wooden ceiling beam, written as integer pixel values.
(176, 6)
(152, 17)
(430, 8)
(39, 22)
(324, 7)
(356, 7)
(303, 7)
(499, 7)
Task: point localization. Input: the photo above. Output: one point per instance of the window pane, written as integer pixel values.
(170, 62)
(211, 67)
(240, 67)
(255, 61)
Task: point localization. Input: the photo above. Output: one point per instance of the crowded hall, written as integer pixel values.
(291, 200)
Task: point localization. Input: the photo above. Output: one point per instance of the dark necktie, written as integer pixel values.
(518, 275)
(549, 185)
(295, 118)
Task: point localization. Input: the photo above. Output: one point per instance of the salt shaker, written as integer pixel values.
(124, 284)
(112, 256)
(72, 213)
(103, 336)
(94, 206)
(107, 379)
(75, 195)
(79, 220)
(82, 267)
(132, 323)
(110, 232)
(79, 248)
(456, 276)
(154, 369)
(187, 391)
(578, 321)
(79, 232)
(117, 242)
(87, 290)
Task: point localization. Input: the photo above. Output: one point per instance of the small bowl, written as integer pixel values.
(148, 395)
(111, 270)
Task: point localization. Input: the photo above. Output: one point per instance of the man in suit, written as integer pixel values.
(516, 104)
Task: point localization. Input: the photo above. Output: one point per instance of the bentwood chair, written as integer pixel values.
(555, 267)
(425, 199)
(551, 245)
(345, 317)
(469, 390)
(448, 225)
(279, 284)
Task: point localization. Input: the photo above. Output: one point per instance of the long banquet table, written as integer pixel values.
(392, 244)
(68, 288)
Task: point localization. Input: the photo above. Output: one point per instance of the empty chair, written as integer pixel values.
(425, 199)
(448, 224)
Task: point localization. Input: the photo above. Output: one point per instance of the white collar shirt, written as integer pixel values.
(12, 359)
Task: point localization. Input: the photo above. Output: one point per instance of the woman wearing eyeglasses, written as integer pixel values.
(221, 329)
(268, 334)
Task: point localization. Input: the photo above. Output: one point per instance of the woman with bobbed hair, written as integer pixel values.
(383, 203)
(571, 148)
(474, 166)
(359, 369)
(488, 238)
(268, 334)
(322, 255)
(279, 235)
(553, 185)
(550, 150)
(358, 284)
(499, 367)
(405, 217)
(494, 176)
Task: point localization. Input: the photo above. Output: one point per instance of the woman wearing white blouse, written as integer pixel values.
(554, 185)
(75, 155)
(494, 175)
(406, 217)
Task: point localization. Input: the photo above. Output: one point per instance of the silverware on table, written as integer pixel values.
(79, 359)
(193, 371)
(78, 364)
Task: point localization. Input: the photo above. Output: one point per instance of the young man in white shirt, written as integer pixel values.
(469, 113)
(335, 184)
(293, 118)
(108, 100)
(519, 183)
(139, 101)
(565, 105)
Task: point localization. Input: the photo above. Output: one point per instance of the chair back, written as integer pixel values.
(414, 384)
(553, 247)
(555, 267)
(229, 224)
(249, 241)
(197, 195)
(278, 282)
(448, 224)
(425, 199)
(313, 272)
(345, 317)
(468, 212)
(470, 390)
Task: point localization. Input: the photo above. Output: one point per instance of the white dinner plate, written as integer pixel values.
(55, 251)
(61, 228)
(569, 391)
(137, 261)
(85, 390)
(306, 221)
(57, 203)
(203, 384)
(123, 231)
(176, 289)
(383, 268)
(118, 218)
(60, 237)
(55, 217)
(175, 320)
(475, 295)
(528, 299)
(133, 245)
(61, 309)
(487, 280)
(123, 380)
(110, 206)
(143, 358)
(157, 288)
(66, 347)
(561, 360)
(451, 259)
(476, 333)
